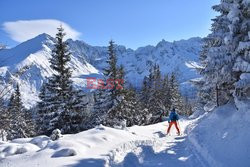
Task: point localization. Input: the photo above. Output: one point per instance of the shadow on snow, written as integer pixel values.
(178, 155)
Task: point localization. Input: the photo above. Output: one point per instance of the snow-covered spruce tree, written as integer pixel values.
(239, 17)
(102, 103)
(145, 91)
(20, 120)
(111, 72)
(129, 109)
(45, 111)
(112, 92)
(217, 57)
(118, 113)
(225, 53)
(61, 107)
(121, 81)
(205, 91)
(176, 98)
(166, 94)
(156, 107)
(105, 97)
(144, 97)
(113, 105)
(187, 107)
(145, 94)
(4, 122)
(157, 94)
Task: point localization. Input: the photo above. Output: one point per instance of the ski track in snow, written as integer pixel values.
(146, 146)
(159, 151)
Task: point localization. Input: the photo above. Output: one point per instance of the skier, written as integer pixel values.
(173, 119)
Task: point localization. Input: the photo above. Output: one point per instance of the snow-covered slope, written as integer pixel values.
(222, 136)
(31, 59)
(171, 57)
(102, 147)
(216, 139)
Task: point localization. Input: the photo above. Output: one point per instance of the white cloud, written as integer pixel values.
(23, 30)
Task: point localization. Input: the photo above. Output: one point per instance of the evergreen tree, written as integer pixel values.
(120, 81)
(118, 112)
(156, 107)
(45, 111)
(217, 58)
(145, 92)
(187, 107)
(129, 109)
(20, 120)
(176, 98)
(159, 94)
(102, 103)
(239, 17)
(225, 54)
(111, 73)
(166, 94)
(144, 97)
(4, 122)
(61, 105)
(108, 99)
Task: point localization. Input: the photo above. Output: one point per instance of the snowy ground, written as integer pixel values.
(102, 146)
(205, 145)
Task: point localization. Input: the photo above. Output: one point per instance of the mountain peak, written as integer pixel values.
(90, 60)
(19, 53)
(41, 38)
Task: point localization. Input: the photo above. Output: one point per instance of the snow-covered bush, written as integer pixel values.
(3, 135)
(124, 124)
(56, 134)
(120, 124)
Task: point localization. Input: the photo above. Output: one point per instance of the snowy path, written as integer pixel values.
(164, 151)
(138, 146)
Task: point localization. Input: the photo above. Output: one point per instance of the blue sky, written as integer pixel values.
(132, 23)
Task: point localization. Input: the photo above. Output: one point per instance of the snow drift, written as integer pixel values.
(222, 137)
